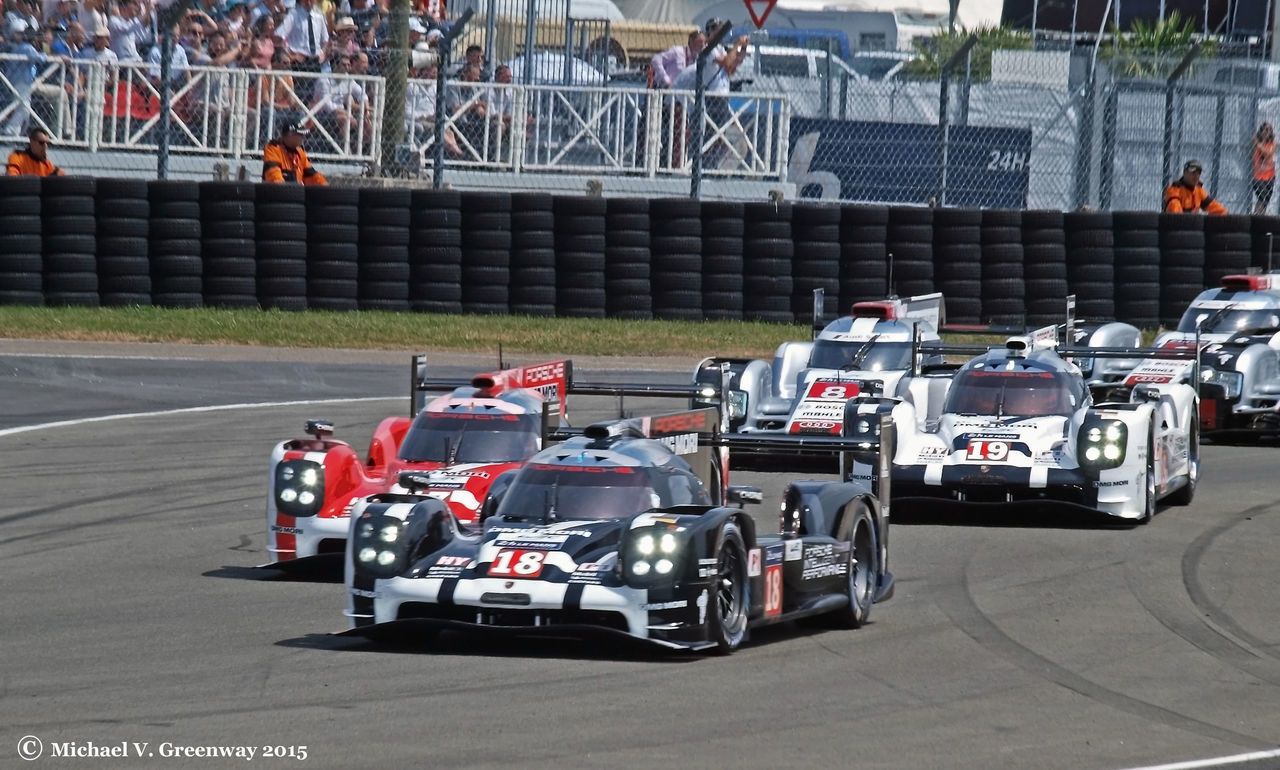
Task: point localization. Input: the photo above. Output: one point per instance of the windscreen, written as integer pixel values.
(471, 438)
(1012, 394)
(1229, 320)
(869, 356)
(556, 492)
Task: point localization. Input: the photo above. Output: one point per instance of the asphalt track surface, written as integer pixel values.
(134, 614)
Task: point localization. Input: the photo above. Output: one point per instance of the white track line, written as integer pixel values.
(1234, 759)
(186, 410)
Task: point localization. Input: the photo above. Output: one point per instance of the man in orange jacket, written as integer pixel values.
(1188, 194)
(33, 160)
(284, 160)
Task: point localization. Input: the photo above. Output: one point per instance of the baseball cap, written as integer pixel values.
(346, 22)
(294, 127)
(1193, 165)
(712, 25)
(101, 32)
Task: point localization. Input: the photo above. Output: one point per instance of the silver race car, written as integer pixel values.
(1238, 328)
(804, 389)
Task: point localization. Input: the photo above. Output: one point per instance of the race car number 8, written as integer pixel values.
(515, 562)
(987, 450)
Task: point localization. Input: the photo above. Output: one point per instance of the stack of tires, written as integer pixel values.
(486, 253)
(627, 259)
(1265, 236)
(177, 267)
(1137, 254)
(1004, 289)
(580, 262)
(910, 244)
(767, 251)
(383, 282)
(864, 255)
(124, 268)
(229, 245)
(1228, 246)
(435, 251)
(675, 242)
(70, 241)
(1091, 263)
(281, 211)
(1181, 264)
(1044, 267)
(21, 264)
(957, 263)
(333, 247)
(722, 266)
(816, 229)
(533, 255)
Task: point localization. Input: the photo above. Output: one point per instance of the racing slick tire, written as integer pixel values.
(1185, 495)
(727, 620)
(1149, 485)
(864, 568)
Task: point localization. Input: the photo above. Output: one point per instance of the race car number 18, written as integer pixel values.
(773, 590)
(987, 450)
(516, 562)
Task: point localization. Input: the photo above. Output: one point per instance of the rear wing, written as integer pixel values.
(553, 379)
(797, 453)
(927, 309)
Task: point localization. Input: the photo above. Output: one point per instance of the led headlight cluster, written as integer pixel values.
(653, 555)
(1232, 382)
(1102, 444)
(299, 487)
(377, 545)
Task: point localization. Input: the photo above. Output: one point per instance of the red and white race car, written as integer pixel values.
(451, 449)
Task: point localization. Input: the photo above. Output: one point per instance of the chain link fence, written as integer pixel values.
(560, 102)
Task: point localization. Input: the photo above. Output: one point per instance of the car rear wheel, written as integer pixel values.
(864, 569)
(729, 593)
(1185, 494)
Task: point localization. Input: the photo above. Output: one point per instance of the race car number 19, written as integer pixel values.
(980, 449)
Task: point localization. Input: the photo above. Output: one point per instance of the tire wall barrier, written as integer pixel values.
(76, 241)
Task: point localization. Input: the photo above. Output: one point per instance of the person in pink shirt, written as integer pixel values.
(663, 69)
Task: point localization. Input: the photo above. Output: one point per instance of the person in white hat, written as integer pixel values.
(343, 42)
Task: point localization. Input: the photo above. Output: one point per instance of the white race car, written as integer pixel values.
(1018, 425)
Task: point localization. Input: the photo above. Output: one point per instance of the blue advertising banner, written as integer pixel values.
(898, 163)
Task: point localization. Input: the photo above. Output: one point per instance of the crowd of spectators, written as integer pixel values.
(314, 40)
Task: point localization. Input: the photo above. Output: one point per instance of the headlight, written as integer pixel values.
(379, 546)
(653, 555)
(737, 404)
(1232, 382)
(1102, 444)
(299, 486)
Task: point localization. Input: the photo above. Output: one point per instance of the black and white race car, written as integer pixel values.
(631, 529)
(1019, 425)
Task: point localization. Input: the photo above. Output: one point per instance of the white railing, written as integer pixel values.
(592, 129)
(212, 110)
(233, 113)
